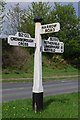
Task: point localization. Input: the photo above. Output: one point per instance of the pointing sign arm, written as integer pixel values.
(21, 41)
(53, 45)
(50, 28)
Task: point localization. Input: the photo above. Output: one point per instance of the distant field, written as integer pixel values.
(59, 106)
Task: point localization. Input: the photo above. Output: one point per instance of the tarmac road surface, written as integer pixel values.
(14, 91)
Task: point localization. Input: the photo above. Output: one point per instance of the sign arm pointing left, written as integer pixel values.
(21, 41)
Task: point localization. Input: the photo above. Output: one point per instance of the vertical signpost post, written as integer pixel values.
(52, 45)
(37, 84)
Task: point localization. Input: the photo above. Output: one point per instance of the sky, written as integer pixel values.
(26, 4)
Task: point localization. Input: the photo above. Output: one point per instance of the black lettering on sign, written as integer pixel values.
(43, 27)
(49, 26)
(49, 46)
(49, 29)
(51, 43)
(19, 43)
(51, 39)
(12, 38)
(49, 49)
(22, 44)
(54, 39)
(26, 44)
(53, 29)
(61, 47)
(58, 43)
(21, 39)
(20, 34)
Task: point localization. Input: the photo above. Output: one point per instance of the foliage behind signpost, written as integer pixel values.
(69, 33)
(14, 18)
(36, 9)
(65, 14)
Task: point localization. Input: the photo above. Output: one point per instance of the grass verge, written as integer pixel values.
(46, 72)
(31, 80)
(59, 106)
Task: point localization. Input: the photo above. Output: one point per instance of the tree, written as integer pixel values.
(36, 9)
(14, 18)
(69, 33)
(66, 16)
(10, 53)
(2, 15)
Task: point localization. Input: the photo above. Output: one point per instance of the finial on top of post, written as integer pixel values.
(38, 19)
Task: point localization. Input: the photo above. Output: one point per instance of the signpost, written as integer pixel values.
(37, 84)
(21, 41)
(21, 34)
(50, 28)
(52, 45)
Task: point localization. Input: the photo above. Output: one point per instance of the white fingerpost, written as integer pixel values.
(37, 83)
(52, 45)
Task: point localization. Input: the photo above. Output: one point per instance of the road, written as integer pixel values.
(13, 91)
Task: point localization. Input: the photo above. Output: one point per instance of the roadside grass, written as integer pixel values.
(60, 72)
(48, 74)
(47, 71)
(58, 106)
(0, 75)
(31, 80)
(17, 74)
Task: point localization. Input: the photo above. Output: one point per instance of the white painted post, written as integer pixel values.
(37, 83)
(23, 39)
